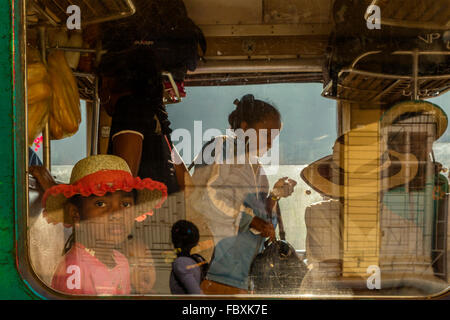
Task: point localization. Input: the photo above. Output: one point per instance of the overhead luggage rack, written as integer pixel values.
(86, 86)
(86, 81)
(356, 85)
(420, 14)
(54, 11)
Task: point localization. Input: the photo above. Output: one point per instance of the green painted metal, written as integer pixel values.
(12, 151)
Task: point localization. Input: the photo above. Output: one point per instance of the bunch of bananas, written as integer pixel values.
(52, 96)
(39, 98)
(65, 113)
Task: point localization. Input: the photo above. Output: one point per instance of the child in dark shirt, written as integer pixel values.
(188, 270)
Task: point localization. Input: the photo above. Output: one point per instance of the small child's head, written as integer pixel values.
(103, 200)
(185, 236)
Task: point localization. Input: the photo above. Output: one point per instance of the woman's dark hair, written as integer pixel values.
(185, 236)
(135, 69)
(251, 110)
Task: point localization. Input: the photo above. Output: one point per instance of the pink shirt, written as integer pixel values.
(82, 273)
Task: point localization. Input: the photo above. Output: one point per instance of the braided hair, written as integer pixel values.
(185, 236)
(252, 111)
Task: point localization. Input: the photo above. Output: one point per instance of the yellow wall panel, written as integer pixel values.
(361, 209)
(363, 213)
(363, 203)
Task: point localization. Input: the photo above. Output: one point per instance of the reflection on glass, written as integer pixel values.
(375, 214)
(102, 203)
(321, 198)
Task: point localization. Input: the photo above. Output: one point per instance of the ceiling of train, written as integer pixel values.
(273, 40)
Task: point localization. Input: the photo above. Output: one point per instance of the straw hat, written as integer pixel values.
(97, 175)
(327, 176)
(409, 109)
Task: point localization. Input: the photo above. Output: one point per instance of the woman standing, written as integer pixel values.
(140, 131)
(232, 194)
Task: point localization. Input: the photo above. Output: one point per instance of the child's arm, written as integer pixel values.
(142, 270)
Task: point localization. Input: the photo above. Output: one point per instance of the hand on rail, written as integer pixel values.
(43, 177)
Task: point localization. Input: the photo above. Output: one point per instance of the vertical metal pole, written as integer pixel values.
(95, 120)
(447, 237)
(46, 132)
(429, 214)
(415, 74)
(96, 105)
(407, 164)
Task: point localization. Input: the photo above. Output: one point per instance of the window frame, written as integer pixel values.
(21, 197)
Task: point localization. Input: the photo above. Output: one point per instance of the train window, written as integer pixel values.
(305, 153)
(440, 147)
(45, 233)
(65, 153)
(302, 139)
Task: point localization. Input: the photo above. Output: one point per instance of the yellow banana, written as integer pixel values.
(65, 108)
(36, 72)
(38, 91)
(37, 118)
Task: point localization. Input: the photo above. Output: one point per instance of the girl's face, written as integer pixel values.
(270, 123)
(105, 221)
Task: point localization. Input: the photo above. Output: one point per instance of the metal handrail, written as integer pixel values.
(75, 49)
(414, 77)
(400, 52)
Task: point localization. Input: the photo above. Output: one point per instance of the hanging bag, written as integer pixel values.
(277, 269)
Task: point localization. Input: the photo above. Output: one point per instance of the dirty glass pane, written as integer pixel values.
(67, 152)
(254, 148)
(302, 139)
(64, 154)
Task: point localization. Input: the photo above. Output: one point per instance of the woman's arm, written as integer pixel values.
(142, 269)
(283, 188)
(43, 177)
(128, 146)
(181, 172)
(266, 228)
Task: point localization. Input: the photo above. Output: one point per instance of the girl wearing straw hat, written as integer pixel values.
(101, 203)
